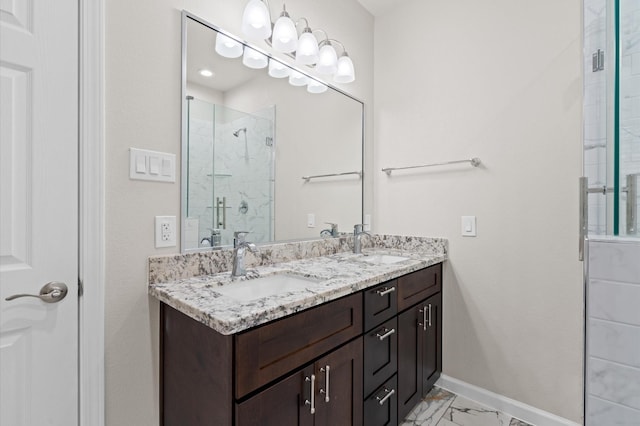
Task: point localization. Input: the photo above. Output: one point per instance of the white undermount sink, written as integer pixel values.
(382, 259)
(269, 285)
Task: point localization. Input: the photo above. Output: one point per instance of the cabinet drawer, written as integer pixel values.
(265, 353)
(380, 303)
(381, 408)
(380, 354)
(419, 285)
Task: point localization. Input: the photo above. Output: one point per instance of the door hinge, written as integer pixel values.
(80, 288)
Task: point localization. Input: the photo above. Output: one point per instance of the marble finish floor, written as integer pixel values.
(443, 408)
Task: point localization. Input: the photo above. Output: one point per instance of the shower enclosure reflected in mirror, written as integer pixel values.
(235, 190)
(249, 140)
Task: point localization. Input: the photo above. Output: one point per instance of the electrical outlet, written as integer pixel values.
(311, 220)
(165, 231)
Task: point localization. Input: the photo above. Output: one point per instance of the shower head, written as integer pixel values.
(237, 132)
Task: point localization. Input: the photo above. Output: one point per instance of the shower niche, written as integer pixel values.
(230, 174)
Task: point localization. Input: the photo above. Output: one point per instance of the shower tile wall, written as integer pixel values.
(242, 172)
(595, 113)
(200, 191)
(613, 333)
(244, 175)
(629, 95)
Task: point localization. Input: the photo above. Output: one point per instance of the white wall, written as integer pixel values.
(499, 80)
(143, 110)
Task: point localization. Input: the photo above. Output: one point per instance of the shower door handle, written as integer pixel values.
(583, 215)
(632, 203)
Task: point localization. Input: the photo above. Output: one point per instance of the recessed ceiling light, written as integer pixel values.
(206, 73)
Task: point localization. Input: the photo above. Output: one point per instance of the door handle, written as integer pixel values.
(583, 215)
(52, 292)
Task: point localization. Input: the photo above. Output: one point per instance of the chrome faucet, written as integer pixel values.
(239, 248)
(357, 236)
(333, 232)
(214, 240)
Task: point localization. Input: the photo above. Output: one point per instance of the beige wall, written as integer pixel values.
(143, 110)
(499, 80)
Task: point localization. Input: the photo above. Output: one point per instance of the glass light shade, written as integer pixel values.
(307, 53)
(328, 60)
(285, 36)
(254, 59)
(316, 87)
(346, 72)
(298, 79)
(256, 20)
(278, 70)
(228, 47)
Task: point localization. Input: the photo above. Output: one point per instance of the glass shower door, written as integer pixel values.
(627, 118)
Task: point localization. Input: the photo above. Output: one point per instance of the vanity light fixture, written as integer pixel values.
(228, 47)
(254, 59)
(278, 69)
(314, 86)
(256, 20)
(298, 79)
(285, 36)
(305, 48)
(206, 73)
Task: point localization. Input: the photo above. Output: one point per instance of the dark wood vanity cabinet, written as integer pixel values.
(420, 344)
(325, 393)
(403, 354)
(365, 359)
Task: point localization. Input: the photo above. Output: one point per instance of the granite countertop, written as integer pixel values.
(334, 275)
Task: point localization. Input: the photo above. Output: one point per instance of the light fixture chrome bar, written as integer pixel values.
(308, 178)
(475, 162)
(632, 204)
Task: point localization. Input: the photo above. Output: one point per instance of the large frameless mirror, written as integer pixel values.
(266, 148)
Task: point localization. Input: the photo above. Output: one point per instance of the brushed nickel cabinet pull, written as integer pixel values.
(382, 400)
(385, 333)
(326, 369)
(385, 291)
(312, 387)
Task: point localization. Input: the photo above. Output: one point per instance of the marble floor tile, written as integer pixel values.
(464, 412)
(431, 409)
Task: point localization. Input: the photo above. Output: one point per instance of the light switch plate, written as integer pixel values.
(152, 165)
(469, 226)
(311, 220)
(165, 231)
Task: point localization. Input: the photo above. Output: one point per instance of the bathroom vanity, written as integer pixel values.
(360, 344)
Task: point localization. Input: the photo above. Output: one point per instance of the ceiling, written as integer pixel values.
(381, 7)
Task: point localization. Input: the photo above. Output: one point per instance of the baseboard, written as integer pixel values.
(510, 406)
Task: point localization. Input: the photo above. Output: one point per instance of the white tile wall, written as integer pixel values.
(242, 171)
(613, 333)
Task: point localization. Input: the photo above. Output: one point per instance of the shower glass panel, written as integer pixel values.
(230, 174)
(627, 118)
(612, 115)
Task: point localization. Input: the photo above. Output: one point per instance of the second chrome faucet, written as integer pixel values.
(240, 247)
(357, 238)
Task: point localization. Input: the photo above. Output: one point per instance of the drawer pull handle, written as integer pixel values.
(384, 399)
(386, 290)
(386, 333)
(312, 386)
(429, 314)
(326, 370)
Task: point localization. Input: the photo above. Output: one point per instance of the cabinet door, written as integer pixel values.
(288, 402)
(431, 342)
(409, 360)
(339, 384)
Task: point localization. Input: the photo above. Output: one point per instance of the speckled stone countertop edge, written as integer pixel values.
(340, 274)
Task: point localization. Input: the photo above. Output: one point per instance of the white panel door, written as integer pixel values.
(38, 211)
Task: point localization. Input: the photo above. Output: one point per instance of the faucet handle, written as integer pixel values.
(357, 228)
